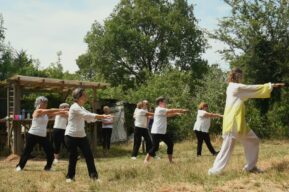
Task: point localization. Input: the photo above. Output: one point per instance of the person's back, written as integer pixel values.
(160, 121)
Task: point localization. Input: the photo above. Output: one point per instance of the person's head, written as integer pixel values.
(161, 101)
(145, 104)
(106, 109)
(41, 102)
(235, 75)
(79, 96)
(64, 106)
(203, 106)
(139, 105)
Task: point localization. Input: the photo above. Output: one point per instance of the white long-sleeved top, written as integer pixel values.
(234, 115)
(76, 120)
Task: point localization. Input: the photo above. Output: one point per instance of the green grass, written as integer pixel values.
(119, 173)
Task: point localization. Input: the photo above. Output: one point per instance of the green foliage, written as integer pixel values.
(143, 36)
(258, 41)
(257, 38)
(174, 85)
(278, 116)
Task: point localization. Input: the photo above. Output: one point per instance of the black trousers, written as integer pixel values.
(166, 138)
(58, 139)
(72, 144)
(106, 135)
(31, 141)
(202, 136)
(138, 134)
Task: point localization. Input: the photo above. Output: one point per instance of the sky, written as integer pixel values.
(44, 27)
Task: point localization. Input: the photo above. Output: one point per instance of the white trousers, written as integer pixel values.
(250, 143)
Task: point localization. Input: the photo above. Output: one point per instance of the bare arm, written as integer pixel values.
(212, 115)
(102, 116)
(175, 111)
(149, 114)
(278, 85)
(49, 112)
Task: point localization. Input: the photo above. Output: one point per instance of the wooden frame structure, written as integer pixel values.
(17, 84)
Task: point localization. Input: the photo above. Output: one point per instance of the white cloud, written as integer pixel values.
(213, 56)
(42, 29)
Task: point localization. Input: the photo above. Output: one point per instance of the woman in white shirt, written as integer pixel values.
(75, 136)
(107, 125)
(159, 129)
(202, 126)
(38, 133)
(59, 126)
(141, 115)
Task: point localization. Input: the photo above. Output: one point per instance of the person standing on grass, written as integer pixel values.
(202, 126)
(107, 125)
(59, 126)
(75, 136)
(159, 129)
(141, 128)
(234, 123)
(38, 133)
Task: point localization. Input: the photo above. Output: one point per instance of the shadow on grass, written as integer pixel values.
(281, 166)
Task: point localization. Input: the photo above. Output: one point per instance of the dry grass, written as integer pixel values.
(189, 173)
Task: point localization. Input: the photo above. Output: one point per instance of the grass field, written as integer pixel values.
(119, 173)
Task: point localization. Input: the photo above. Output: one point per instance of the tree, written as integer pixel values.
(2, 29)
(55, 70)
(143, 37)
(257, 37)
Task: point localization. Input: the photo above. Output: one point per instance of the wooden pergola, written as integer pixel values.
(17, 84)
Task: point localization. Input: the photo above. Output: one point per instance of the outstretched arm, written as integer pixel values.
(175, 112)
(213, 115)
(49, 112)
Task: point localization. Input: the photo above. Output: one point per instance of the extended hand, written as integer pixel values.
(279, 85)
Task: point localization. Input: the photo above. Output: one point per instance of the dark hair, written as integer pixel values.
(160, 99)
(77, 93)
(234, 75)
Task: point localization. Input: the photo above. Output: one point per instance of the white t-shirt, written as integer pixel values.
(60, 122)
(107, 120)
(140, 118)
(160, 121)
(77, 116)
(202, 123)
(39, 126)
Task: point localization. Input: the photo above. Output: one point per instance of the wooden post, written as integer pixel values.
(17, 139)
(94, 127)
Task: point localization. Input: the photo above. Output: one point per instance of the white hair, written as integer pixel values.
(39, 100)
(63, 105)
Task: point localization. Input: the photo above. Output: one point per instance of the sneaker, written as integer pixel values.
(69, 180)
(133, 158)
(18, 168)
(55, 161)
